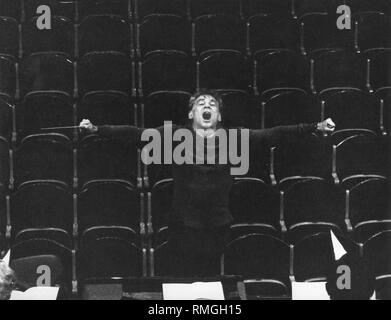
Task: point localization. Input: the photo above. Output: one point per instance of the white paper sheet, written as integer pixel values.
(339, 250)
(309, 291)
(36, 293)
(193, 291)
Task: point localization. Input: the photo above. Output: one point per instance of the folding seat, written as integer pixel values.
(368, 208)
(11, 8)
(163, 106)
(103, 158)
(159, 209)
(352, 109)
(6, 119)
(7, 78)
(44, 110)
(59, 39)
(4, 162)
(99, 71)
(313, 256)
(309, 158)
(279, 7)
(280, 69)
(107, 108)
(42, 210)
(219, 33)
(240, 110)
(41, 247)
(163, 32)
(249, 257)
(224, 71)
(313, 206)
(358, 6)
(319, 33)
(108, 257)
(44, 157)
(255, 207)
(46, 72)
(337, 68)
(105, 33)
(203, 7)
(176, 73)
(107, 207)
(378, 74)
(121, 8)
(144, 8)
(272, 32)
(359, 156)
(9, 37)
(372, 30)
(290, 107)
(63, 8)
(377, 250)
(385, 108)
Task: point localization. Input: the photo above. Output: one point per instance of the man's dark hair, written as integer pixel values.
(206, 92)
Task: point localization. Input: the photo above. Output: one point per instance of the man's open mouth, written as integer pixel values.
(206, 115)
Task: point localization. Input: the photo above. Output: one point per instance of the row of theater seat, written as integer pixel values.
(307, 260)
(226, 71)
(137, 9)
(44, 209)
(170, 32)
(349, 108)
(52, 157)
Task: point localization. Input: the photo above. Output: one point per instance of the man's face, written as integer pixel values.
(205, 112)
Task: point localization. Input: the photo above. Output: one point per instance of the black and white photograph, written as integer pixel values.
(163, 151)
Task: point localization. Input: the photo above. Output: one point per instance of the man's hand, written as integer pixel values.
(88, 126)
(326, 126)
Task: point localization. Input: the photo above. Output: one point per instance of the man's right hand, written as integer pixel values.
(88, 126)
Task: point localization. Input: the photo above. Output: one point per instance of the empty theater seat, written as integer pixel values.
(337, 68)
(385, 109)
(44, 157)
(256, 250)
(378, 64)
(11, 8)
(105, 33)
(219, 32)
(368, 208)
(99, 71)
(43, 110)
(203, 7)
(176, 73)
(253, 7)
(313, 206)
(4, 162)
(103, 158)
(163, 32)
(359, 156)
(272, 32)
(59, 39)
(64, 8)
(107, 108)
(121, 8)
(42, 210)
(163, 106)
(255, 207)
(46, 72)
(107, 257)
(376, 250)
(224, 71)
(107, 207)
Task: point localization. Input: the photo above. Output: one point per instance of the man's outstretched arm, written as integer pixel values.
(285, 134)
(128, 133)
